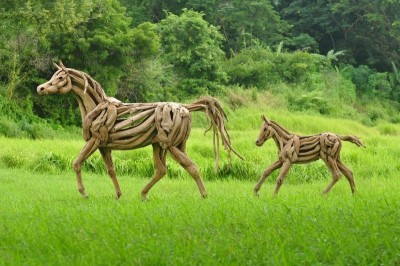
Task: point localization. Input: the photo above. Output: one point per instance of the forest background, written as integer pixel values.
(334, 58)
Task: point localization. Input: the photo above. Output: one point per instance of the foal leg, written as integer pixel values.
(189, 166)
(348, 174)
(90, 147)
(106, 154)
(159, 157)
(265, 174)
(333, 167)
(279, 181)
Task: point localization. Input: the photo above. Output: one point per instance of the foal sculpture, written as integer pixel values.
(109, 124)
(295, 149)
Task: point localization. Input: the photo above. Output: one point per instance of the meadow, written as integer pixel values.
(45, 221)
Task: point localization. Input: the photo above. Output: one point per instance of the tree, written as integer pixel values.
(94, 36)
(147, 78)
(368, 30)
(242, 22)
(193, 47)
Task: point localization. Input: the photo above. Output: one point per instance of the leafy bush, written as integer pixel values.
(369, 82)
(260, 67)
(9, 128)
(310, 101)
(388, 129)
(251, 67)
(13, 161)
(148, 81)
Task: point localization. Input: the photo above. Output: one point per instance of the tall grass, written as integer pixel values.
(44, 220)
(382, 152)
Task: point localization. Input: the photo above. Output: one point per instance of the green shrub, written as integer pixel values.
(48, 163)
(13, 161)
(369, 82)
(9, 128)
(389, 129)
(260, 67)
(310, 101)
(359, 76)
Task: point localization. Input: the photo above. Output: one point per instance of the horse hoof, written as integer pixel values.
(144, 197)
(118, 195)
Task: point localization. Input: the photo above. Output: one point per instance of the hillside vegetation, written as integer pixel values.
(343, 64)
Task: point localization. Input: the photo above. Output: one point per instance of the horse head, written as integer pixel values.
(60, 82)
(266, 131)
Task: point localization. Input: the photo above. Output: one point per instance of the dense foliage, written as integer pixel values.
(337, 58)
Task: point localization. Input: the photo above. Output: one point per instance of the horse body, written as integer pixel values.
(109, 124)
(295, 149)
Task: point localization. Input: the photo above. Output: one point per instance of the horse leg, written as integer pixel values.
(90, 147)
(159, 157)
(106, 155)
(279, 181)
(348, 174)
(180, 156)
(265, 174)
(333, 167)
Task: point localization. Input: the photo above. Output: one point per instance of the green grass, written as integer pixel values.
(45, 221)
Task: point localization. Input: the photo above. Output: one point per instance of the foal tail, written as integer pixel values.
(217, 116)
(352, 139)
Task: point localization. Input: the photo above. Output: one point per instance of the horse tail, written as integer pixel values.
(352, 139)
(217, 117)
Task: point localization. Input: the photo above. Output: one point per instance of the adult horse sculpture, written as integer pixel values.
(109, 124)
(295, 149)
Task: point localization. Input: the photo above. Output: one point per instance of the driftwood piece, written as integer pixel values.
(109, 124)
(293, 149)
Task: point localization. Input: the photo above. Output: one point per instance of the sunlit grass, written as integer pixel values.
(45, 221)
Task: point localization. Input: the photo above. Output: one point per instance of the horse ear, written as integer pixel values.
(57, 66)
(62, 66)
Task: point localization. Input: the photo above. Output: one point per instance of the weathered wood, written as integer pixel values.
(140, 128)
(137, 117)
(293, 149)
(109, 124)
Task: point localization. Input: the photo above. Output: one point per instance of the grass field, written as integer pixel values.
(44, 220)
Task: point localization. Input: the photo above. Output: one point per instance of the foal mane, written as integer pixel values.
(279, 128)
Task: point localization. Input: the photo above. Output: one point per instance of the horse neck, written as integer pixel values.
(89, 97)
(281, 136)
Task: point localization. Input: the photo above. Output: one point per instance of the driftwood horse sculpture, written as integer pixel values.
(295, 149)
(109, 124)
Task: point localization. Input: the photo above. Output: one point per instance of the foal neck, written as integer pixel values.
(281, 136)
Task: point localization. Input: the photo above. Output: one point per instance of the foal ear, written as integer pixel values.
(265, 119)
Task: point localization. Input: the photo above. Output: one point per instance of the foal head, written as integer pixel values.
(60, 82)
(266, 131)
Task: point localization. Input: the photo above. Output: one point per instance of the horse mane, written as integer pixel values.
(88, 84)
